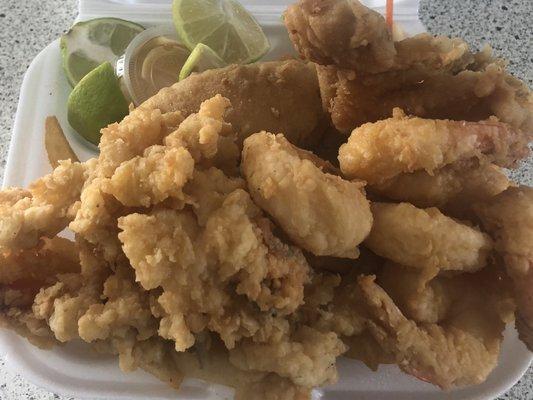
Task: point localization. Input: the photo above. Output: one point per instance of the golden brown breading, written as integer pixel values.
(462, 352)
(177, 271)
(307, 357)
(426, 239)
(62, 304)
(334, 305)
(168, 249)
(455, 186)
(206, 135)
(44, 210)
(122, 141)
(277, 96)
(208, 189)
(95, 219)
(272, 387)
(470, 95)
(340, 32)
(509, 219)
(435, 299)
(376, 152)
(351, 36)
(22, 274)
(142, 181)
(420, 299)
(126, 308)
(39, 265)
(322, 213)
(162, 172)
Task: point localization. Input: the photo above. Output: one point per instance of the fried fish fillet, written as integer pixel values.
(276, 96)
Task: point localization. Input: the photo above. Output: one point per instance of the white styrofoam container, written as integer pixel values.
(77, 371)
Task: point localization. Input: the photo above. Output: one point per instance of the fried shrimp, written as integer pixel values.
(454, 186)
(509, 219)
(323, 213)
(420, 298)
(379, 151)
(463, 351)
(426, 239)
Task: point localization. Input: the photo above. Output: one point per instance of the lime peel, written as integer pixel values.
(201, 59)
(90, 43)
(223, 25)
(96, 102)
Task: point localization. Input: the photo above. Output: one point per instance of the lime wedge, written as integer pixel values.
(201, 59)
(223, 25)
(96, 102)
(90, 43)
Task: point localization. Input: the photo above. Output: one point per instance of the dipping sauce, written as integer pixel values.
(152, 61)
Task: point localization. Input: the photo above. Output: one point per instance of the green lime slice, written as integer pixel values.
(90, 43)
(201, 59)
(95, 102)
(223, 25)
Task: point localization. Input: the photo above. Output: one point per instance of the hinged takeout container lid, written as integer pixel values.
(153, 11)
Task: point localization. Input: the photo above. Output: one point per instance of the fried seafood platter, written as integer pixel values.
(250, 225)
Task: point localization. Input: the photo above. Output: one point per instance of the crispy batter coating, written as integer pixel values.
(38, 265)
(208, 137)
(202, 138)
(22, 274)
(435, 300)
(168, 249)
(122, 141)
(454, 186)
(464, 351)
(42, 211)
(160, 174)
(276, 96)
(344, 33)
(208, 189)
(322, 213)
(334, 304)
(379, 151)
(349, 35)
(307, 358)
(177, 269)
(426, 239)
(509, 219)
(95, 219)
(418, 297)
(470, 95)
(163, 171)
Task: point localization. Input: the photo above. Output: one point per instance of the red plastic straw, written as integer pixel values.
(389, 16)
